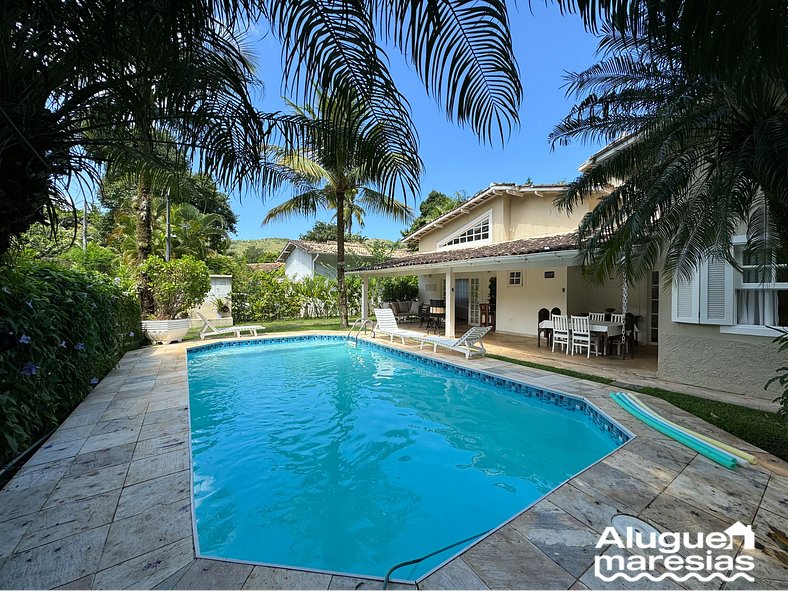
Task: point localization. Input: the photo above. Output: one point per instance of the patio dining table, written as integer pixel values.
(605, 327)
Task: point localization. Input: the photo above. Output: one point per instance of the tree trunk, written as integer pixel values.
(144, 236)
(341, 291)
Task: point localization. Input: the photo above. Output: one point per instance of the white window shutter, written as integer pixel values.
(686, 300)
(716, 292)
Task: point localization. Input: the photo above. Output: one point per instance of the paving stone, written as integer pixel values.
(578, 586)
(12, 531)
(771, 564)
(266, 577)
(173, 579)
(32, 476)
(56, 563)
(72, 434)
(149, 569)
(141, 497)
(214, 574)
(637, 465)
(81, 419)
(342, 582)
(775, 499)
(158, 465)
(170, 415)
(51, 452)
(703, 495)
(176, 400)
(507, 560)
(589, 510)
(167, 429)
(95, 460)
(125, 409)
(160, 445)
(590, 580)
(454, 575)
(768, 525)
(90, 484)
(147, 531)
(559, 535)
(91, 407)
(83, 583)
(15, 503)
(108, 440)
(68, 519)
(614, 484)
(115, 425)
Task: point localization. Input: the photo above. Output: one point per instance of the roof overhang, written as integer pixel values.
(562, 258)
(289, 247)
(494, 190)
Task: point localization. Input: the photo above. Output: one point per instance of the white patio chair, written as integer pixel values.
(560, 332)
(386, 323)
(470, 343)
(581, 336)
(596, 317)
(617, 318)
(210, 330)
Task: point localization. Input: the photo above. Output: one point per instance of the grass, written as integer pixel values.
(761, 428)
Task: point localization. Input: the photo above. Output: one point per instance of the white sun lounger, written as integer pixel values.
(386, 323)
(470, 343)
(210, 330)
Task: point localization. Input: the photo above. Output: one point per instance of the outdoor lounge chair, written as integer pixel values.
(386, 323)
(470, 343)
(210, 330)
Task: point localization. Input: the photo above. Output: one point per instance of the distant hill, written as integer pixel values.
(274, 245)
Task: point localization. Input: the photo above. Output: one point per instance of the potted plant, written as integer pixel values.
(177, 286)
(222, 307)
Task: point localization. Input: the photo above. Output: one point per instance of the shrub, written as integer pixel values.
(781, 379)
(400, 289)
(177, 285)
(94, 258)
(64, 330)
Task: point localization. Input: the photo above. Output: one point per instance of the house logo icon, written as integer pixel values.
(738, 529)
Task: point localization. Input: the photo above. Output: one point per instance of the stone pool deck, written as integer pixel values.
(105, 503)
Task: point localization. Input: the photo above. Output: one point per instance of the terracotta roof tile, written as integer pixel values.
(501, 249)
(357, 248)
(265, 267)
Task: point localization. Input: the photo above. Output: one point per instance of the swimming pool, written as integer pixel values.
(312, 454)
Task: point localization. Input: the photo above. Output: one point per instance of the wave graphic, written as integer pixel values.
(675, 577)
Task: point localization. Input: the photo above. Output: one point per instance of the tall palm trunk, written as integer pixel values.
(144, 243)
(343, 322)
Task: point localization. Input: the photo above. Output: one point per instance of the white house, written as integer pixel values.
(303, 258)
(711, 332)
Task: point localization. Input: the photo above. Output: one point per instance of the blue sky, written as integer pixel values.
(546, 45)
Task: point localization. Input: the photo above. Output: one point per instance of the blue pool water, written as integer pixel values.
(315, 454)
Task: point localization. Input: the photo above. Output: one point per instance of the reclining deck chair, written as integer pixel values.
(210, 330)
(386, 323)
(470, 343)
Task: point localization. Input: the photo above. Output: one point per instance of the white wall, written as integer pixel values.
(299, 264)
(221, 286)
(326, 265)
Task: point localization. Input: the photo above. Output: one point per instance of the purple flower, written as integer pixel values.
(131, 334)
(29, 369)
(80, 346)
(24, 339)
(94, 381)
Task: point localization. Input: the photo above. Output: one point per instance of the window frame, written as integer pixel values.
(520, 275)
(740, 285)
(486, 216)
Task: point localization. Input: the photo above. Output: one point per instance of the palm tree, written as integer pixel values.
(79, 79)
(338, 171)
(701, 156)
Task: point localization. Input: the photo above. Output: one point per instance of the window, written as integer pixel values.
(515, 278)
(478, 231)
(762, 290)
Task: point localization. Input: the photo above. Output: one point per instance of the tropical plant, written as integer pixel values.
(318, 297)
(781, 378)
(701, 157)
(68, 328)
(177, 285)
(93, 81)
(327, 232)
(400, 289)
(434, 206)
(336, 171)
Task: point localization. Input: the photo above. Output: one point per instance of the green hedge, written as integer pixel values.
(66, 329)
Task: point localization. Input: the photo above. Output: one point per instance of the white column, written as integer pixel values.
(449, 319)
(365, 297)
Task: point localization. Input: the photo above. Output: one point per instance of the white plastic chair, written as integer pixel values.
(210, 330)
(617, 318)
(470, 343)
(561, 332)
(596, 317)
(386, 324)
(581, 336)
